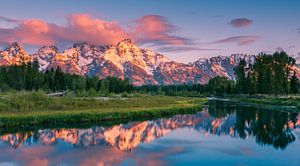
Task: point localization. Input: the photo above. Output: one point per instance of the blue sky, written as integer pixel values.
(203, 26)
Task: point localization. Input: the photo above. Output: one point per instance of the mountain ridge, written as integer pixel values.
(123, 60)
(126, 60)
(222, 65)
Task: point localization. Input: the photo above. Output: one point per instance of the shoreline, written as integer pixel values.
(286, 103)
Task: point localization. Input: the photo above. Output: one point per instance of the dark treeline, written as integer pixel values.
(28, 77)
(215, 86)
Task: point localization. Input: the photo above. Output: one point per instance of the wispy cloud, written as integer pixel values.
(298, 30)
(184, 49)
(240, 22)
(9, 20)
(238, 40)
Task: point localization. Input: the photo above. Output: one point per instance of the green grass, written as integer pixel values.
(292, 102)
(26, 109)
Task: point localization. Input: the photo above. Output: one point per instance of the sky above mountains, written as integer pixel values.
(182, 30)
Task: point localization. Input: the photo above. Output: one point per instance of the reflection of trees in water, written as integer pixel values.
(220, 109)
(269, 127)
(220, 118)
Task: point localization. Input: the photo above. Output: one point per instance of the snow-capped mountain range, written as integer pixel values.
(125, 60)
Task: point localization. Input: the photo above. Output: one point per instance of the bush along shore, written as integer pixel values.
(25, 109)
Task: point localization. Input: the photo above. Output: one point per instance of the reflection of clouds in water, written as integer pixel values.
(246, 150)
(36, 155)
(172, 142)
(51, 156)
(97, 155)
(236, 151)
(157, 155)
(231, 152)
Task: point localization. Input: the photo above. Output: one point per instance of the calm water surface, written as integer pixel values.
(221, 134)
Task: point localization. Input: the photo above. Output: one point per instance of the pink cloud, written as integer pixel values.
(79, 28)
(96, 31)
(28, 32)
(157, 30)
(149, 29)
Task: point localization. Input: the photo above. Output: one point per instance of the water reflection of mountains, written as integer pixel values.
(266, 126)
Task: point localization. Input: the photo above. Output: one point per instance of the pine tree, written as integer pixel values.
(294, 84)
(36, 75)
(241, 76)
(281, 67)
(267, 81)
(59, 80)
(104, 87)
(250, 83)
(252, 88)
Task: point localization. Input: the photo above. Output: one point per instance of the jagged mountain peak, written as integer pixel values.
(14, 54)
(15, 49)
(127, 41)
(45, 55)
(46, 49)
(82, 44)
(127, 46)
(85, 47)
(15, 45)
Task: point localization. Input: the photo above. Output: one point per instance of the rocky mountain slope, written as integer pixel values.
(124, 60)
(14, 55)
(222, 65)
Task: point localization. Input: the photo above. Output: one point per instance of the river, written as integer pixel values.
(221, 134)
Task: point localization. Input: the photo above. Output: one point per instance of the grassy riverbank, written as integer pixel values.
(36, 108)
(283, 102)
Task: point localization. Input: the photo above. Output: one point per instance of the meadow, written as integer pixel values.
(25, 109)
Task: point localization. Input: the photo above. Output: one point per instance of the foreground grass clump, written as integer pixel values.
(36, 108)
